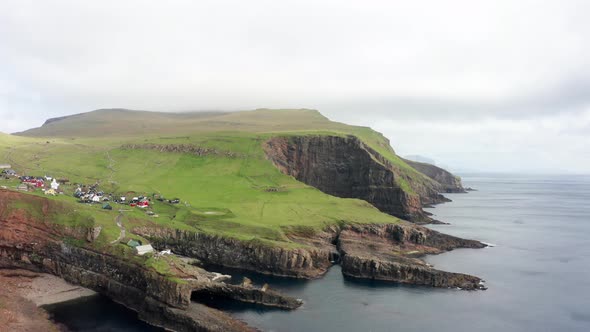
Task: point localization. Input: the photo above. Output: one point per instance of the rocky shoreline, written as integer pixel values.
(388, 252)
(18, 309)
(30, 244)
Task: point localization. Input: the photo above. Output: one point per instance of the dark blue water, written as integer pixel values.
(538, 274)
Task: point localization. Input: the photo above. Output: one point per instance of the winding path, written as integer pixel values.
(110, 167)
(120, 225)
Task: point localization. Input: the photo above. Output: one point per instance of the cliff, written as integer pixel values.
(310, 262)
(344, 166)
(449, 183)
(389, 252)
(32, 242)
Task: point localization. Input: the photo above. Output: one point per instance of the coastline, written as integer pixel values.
(46, 289)
(23, 293)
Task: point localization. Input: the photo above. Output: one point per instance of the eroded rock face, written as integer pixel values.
(406, 273)
(181, 148)
(449, 182)
(346, 167)
(248, 255)
(29, 242)
(389, 252)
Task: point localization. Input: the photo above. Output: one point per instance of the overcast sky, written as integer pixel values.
(476, 85)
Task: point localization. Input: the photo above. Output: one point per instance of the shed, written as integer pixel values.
(133, 243)
(5, 166)
(22, 187)
(107, 206)
(142, 250)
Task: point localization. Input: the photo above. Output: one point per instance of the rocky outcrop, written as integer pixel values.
(449, 183)
(391, 253)
(249, 255)
(248, 294)
(344, 166)
(181, 148)
(406, 273)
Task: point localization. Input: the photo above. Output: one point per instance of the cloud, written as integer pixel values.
(420, 63)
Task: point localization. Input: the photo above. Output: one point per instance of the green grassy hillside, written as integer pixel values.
(183, 127)
(234, 190)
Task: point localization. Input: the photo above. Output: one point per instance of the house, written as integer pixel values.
(142, 250)
(5, 166)
(143, 204)
(9, 172)
(33, 181)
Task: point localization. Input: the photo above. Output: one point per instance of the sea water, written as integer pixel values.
(538, 272)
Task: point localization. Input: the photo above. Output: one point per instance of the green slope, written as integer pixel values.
(130, 125)
(235, 191)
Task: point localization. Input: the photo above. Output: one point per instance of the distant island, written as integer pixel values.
(134, 205)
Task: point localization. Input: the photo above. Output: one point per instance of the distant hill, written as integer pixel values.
(122, 122)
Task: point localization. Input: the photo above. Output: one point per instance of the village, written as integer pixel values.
(92, 195)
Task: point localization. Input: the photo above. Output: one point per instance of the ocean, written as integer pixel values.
(537, 273)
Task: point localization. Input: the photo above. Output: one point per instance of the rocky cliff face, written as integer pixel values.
(346, 167)
(29, 242)
(247, 255)
(389, 252)
(449, 183)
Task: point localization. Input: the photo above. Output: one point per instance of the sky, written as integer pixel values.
(475, 85)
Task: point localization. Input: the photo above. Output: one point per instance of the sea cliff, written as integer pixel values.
(344, 166)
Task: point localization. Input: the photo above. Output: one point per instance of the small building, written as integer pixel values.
(9, 172)
(133, 243)
(5, 166)
(142, 250)
(22, 187)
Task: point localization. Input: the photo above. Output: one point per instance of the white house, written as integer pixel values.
(142, 250)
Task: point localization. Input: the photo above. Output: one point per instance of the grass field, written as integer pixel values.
(220, 194)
